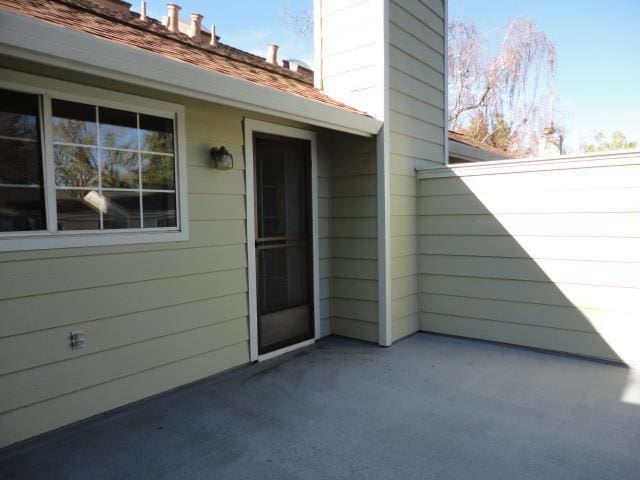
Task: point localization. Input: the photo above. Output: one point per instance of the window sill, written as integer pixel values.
(71, 240)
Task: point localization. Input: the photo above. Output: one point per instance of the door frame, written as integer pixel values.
(252, 126)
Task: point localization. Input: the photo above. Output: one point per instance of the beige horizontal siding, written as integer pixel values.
(324, 232)
(561, 340)
(127, 300)
(38, 277)
(352, 328)
(614, 249)
(416, 140)
(354, 238)
(110, 333)
(155, 316)
(350, 52)
(535, 182)
(402, 102)
(56, 412)
(543, 255)
(67, 309)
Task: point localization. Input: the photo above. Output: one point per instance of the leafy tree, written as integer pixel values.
(618, 141)
(478, 127)
(500, 137)
(497, 134)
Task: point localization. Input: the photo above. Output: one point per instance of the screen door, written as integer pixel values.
(283, 241)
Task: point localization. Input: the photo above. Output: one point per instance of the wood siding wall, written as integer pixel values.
(542, 254)
(416, 119)
(155, 316)
(354, 237)
(350, 45)
(324, 230)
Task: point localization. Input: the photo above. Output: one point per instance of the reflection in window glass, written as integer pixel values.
(73, 122)
(21, 208)
(159, 209)
(21, 175)
(112, 168)
(119, 169)
(78, 209)
(158, 172)
(20, 162)
(121, 209)
(125, 186)
(76, 166)
(19, 115)
(118, 129)
(156, 134)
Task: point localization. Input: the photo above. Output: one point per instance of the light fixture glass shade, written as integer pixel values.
(222, 159)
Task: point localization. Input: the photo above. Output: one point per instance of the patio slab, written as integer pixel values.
(430, 407)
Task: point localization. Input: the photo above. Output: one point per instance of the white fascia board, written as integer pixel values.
(31, 39)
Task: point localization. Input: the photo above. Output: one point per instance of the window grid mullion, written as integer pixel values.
(130, 150)
(48, 160)
(140, 173)
(99, 165)
(176, 178)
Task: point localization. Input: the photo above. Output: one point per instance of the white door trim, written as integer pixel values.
(256, 126)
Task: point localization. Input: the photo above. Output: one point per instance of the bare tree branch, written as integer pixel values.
(506, 83)
(301, 21)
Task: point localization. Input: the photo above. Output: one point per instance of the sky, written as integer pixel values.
(598, 47)
(247, 24)
(597, 41)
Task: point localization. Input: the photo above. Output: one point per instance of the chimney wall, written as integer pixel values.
(173, 17)
(550, 143)
(215, 39)
(272, 54)
(195, 27)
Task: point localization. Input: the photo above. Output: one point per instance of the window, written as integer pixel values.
(21, 177)
(78, 171)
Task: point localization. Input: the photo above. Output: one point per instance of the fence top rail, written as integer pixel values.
(537, 164)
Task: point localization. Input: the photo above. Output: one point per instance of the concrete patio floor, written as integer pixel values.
(428, 407)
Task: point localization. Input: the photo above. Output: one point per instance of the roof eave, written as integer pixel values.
(472, 154)
(27, 38)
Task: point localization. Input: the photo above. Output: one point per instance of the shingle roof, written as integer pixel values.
(462, 138)
(126, 28)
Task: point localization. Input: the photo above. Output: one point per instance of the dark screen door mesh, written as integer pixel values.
(283, 242)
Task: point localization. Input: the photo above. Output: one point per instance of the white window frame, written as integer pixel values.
(252, 126)
(51, 238)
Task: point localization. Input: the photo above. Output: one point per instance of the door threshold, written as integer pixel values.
(282, 351)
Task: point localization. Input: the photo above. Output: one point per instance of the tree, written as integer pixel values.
(618, 142)
(497, 134)
(503, 87)
(478, 127)
(501, 136)
(301, 21)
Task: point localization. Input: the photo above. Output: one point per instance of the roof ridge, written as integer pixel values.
(126, 28)
(159, 29)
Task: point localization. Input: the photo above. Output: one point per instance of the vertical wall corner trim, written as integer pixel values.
(317, 44)
(384, 196)
(446, 82)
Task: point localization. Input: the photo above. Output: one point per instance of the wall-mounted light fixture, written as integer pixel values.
(222, 159)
